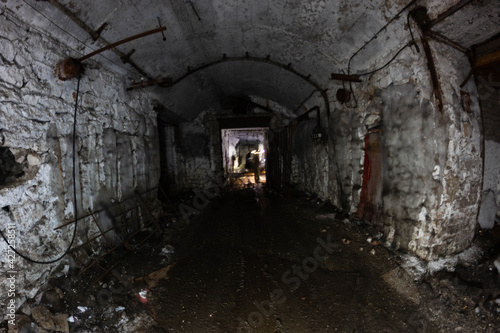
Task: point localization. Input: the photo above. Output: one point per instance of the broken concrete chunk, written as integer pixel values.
(33, 159)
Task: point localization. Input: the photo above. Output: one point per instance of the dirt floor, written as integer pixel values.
(256, 262)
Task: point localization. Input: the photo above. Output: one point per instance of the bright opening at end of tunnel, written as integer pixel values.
(244, 152)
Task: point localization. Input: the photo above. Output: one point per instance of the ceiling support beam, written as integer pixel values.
(488, 60)
(168, 82)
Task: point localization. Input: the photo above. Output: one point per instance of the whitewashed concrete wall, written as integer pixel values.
(432, 163)
(116, 146)
(194, 155)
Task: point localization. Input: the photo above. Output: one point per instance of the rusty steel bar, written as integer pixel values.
(110, 251)
(467, 78)
(93, 34)
(98, 211)
(106, 270)
(100, 229)
(443, 39)
(434, 74)
(91, 240)
(123, 41)
(145, 239)
(149, 212)
(167, 198)
(452, 10)
(96, 260)
(71, 221)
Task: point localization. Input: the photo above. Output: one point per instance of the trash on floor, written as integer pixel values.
(82, 309)
(346, 241)
(153, 278)
(143, 295)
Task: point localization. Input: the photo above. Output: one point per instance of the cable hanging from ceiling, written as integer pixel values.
(412, 42)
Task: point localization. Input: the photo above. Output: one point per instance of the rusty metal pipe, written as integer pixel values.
(123, 41)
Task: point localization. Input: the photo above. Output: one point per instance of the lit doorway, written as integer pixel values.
(244, 152)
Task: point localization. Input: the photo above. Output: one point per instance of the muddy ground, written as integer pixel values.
(256, 262)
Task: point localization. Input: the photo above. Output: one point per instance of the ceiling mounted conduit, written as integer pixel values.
(168, 82)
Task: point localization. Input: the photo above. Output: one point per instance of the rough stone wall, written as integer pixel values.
(432, 165)
(116, 151)
(195, 156)
(431, 158)
(310, 161)
(449, 228)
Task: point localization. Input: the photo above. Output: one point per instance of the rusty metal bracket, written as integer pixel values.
(70, 68)
(123, 41)
(452, 10)
(438, 93)
(138, 196)
(98, 32)
(445, 40)
(91, 32)
(159, 23)
(126, 58)
(422, 19)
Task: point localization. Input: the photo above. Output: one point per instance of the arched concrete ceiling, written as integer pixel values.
(316, 37)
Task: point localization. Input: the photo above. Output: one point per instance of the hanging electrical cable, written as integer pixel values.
(74, 196)
(411, 3)
(387, 63)
(411, 32)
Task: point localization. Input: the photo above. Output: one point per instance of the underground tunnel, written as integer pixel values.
(250, 166)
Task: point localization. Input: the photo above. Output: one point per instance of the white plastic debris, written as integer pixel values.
(169, 249)
(72, 319)
(119, 308)
(372, 251)
(497, 264)
(143, 295)
(82, 309)
(369, 239)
